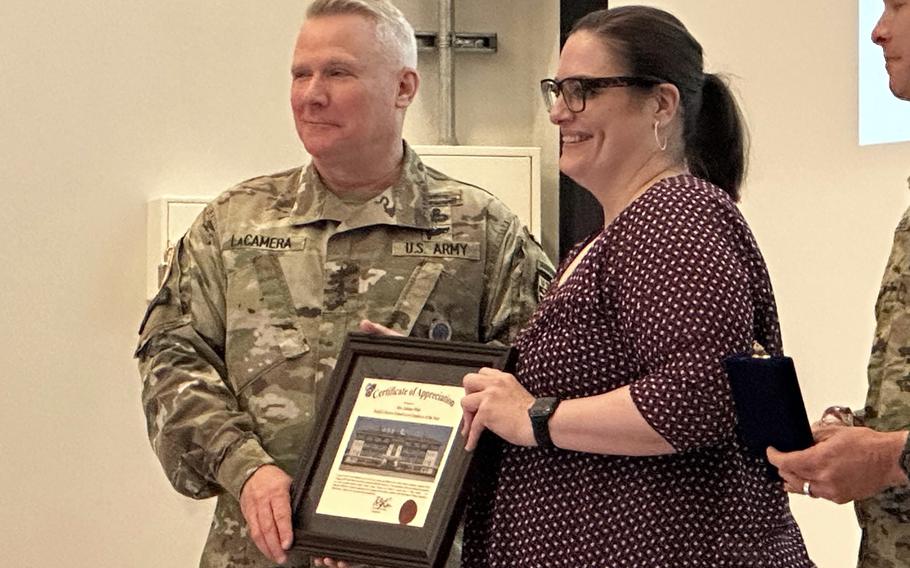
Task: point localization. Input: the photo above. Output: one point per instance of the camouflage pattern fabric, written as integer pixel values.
(885, 518)
(236, 348)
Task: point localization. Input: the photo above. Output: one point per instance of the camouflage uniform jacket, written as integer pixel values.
(885, 518)
(236, 347)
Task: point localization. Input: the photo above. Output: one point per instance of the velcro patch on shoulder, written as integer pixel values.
(437, 249)
(544, 278)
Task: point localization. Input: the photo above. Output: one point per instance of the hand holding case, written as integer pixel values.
(769, 405)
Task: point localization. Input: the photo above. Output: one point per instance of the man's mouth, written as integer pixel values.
(310, 122)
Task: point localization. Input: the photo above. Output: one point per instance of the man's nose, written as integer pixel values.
(315, 91)
(880, 31)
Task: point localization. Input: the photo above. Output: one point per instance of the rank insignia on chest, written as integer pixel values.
(440, 220)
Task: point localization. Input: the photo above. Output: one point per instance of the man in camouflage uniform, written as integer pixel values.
(871, 464)
(236, 348)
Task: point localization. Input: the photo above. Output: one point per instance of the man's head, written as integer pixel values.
(353, 78)
(892, 33)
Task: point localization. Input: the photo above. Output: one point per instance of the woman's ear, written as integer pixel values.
(667, 101)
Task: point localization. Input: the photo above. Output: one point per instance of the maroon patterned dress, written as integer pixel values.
(673, 285)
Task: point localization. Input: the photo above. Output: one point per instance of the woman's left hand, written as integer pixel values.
(496, 401)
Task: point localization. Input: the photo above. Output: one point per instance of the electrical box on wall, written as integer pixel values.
(510, 173)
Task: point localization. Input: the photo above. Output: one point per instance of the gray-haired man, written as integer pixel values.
(237, 346)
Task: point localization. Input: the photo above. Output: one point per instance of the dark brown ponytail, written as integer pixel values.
(655, 43)
(716, 147)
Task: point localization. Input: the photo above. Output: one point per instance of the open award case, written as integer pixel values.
(382, 482)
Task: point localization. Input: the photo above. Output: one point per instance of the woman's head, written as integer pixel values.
(692, 113)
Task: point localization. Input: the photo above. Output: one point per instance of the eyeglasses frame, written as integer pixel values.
(591, 84)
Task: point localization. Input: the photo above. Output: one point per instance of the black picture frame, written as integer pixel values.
(364, 361)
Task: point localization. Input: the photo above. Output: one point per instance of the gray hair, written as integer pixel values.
(392, 28)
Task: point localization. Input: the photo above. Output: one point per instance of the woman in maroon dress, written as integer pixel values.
(617, 434)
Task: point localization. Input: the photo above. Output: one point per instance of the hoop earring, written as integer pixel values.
(657, 137)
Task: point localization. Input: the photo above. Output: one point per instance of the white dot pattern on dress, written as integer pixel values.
(672, 286)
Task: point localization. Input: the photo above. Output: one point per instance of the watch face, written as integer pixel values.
(540, 413)
(542, 407)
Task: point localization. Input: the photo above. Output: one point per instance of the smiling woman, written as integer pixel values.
(619, 407)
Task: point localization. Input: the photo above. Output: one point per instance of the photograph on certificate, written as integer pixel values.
(395, 445)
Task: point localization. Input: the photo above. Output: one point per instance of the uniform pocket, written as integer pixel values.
(263, 330)
(276, 295)
(277, 384)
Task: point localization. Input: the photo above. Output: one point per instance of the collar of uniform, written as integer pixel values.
(403, 204)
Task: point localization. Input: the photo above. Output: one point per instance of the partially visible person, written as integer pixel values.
(237, 347)
(872, 464)
(616, 442)
(846, 463)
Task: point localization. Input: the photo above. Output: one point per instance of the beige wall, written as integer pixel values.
(107, 104)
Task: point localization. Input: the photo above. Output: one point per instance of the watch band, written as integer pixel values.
(905, 457)
(540, 413)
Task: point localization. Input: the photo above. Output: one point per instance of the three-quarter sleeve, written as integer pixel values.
(686, 301)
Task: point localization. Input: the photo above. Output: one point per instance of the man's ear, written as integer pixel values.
(408, 83)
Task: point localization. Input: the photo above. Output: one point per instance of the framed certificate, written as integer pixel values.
(382, 482)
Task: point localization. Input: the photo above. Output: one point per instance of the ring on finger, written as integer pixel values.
(807, 488)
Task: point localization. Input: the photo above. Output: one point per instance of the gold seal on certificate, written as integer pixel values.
(381, 481)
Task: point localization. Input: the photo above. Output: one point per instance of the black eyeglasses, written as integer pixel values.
(575, 90)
